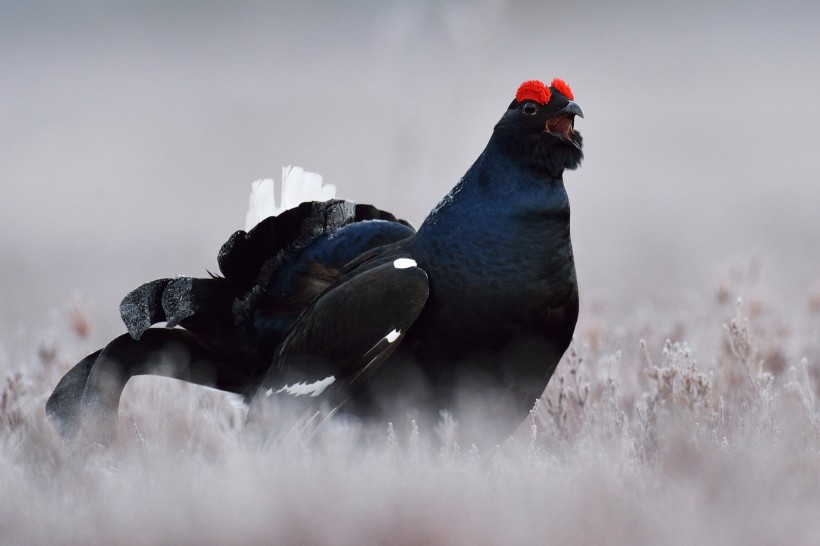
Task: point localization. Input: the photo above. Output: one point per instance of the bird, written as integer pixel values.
(344, 308)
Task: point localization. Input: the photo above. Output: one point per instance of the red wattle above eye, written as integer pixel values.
(562, 87)
(533, 90)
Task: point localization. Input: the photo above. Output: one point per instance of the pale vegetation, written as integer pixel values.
(689, 425)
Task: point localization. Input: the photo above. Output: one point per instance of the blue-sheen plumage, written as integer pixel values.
(334, 250)
(470, 314)
(503, 294)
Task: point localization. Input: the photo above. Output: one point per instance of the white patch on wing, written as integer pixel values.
(268, 392)
(392, 336)
(313, 389)
(404, 263)
(298, 186)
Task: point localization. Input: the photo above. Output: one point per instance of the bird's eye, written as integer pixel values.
(529, 108)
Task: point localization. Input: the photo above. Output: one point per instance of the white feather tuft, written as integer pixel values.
(261, 202)
(313, 389)
(298, 186)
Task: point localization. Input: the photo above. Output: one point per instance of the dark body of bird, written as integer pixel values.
(343, 306)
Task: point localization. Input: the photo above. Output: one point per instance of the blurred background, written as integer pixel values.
(130, 133)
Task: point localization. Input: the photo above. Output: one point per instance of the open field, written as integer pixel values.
(131, 133)
(710, 437)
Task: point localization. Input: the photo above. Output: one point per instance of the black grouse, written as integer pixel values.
(342, 306)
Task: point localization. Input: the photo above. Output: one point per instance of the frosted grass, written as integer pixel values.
(689, 425)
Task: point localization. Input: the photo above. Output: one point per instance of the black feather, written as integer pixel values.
(143, 307)
(344, 304)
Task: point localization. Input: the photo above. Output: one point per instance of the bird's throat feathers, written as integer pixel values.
(503, 233)
(499, 198)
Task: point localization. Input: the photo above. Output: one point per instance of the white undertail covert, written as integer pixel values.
(298, 186)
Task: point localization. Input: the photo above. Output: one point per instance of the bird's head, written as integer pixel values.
(539, 126)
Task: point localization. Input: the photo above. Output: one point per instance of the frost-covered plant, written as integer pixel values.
(633, 442)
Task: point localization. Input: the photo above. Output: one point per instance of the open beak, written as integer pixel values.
(563, 122)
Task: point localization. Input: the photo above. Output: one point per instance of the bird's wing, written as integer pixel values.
(244, 254)
(346, 333)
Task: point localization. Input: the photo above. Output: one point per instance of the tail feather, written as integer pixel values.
(65, 403)
(88, 396)
(201, 306)
(233, 324)
(182, 301)
(241, 258)
(298, 186)
(185, 297)
(143, 307)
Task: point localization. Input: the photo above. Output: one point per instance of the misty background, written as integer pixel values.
(130, 133)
